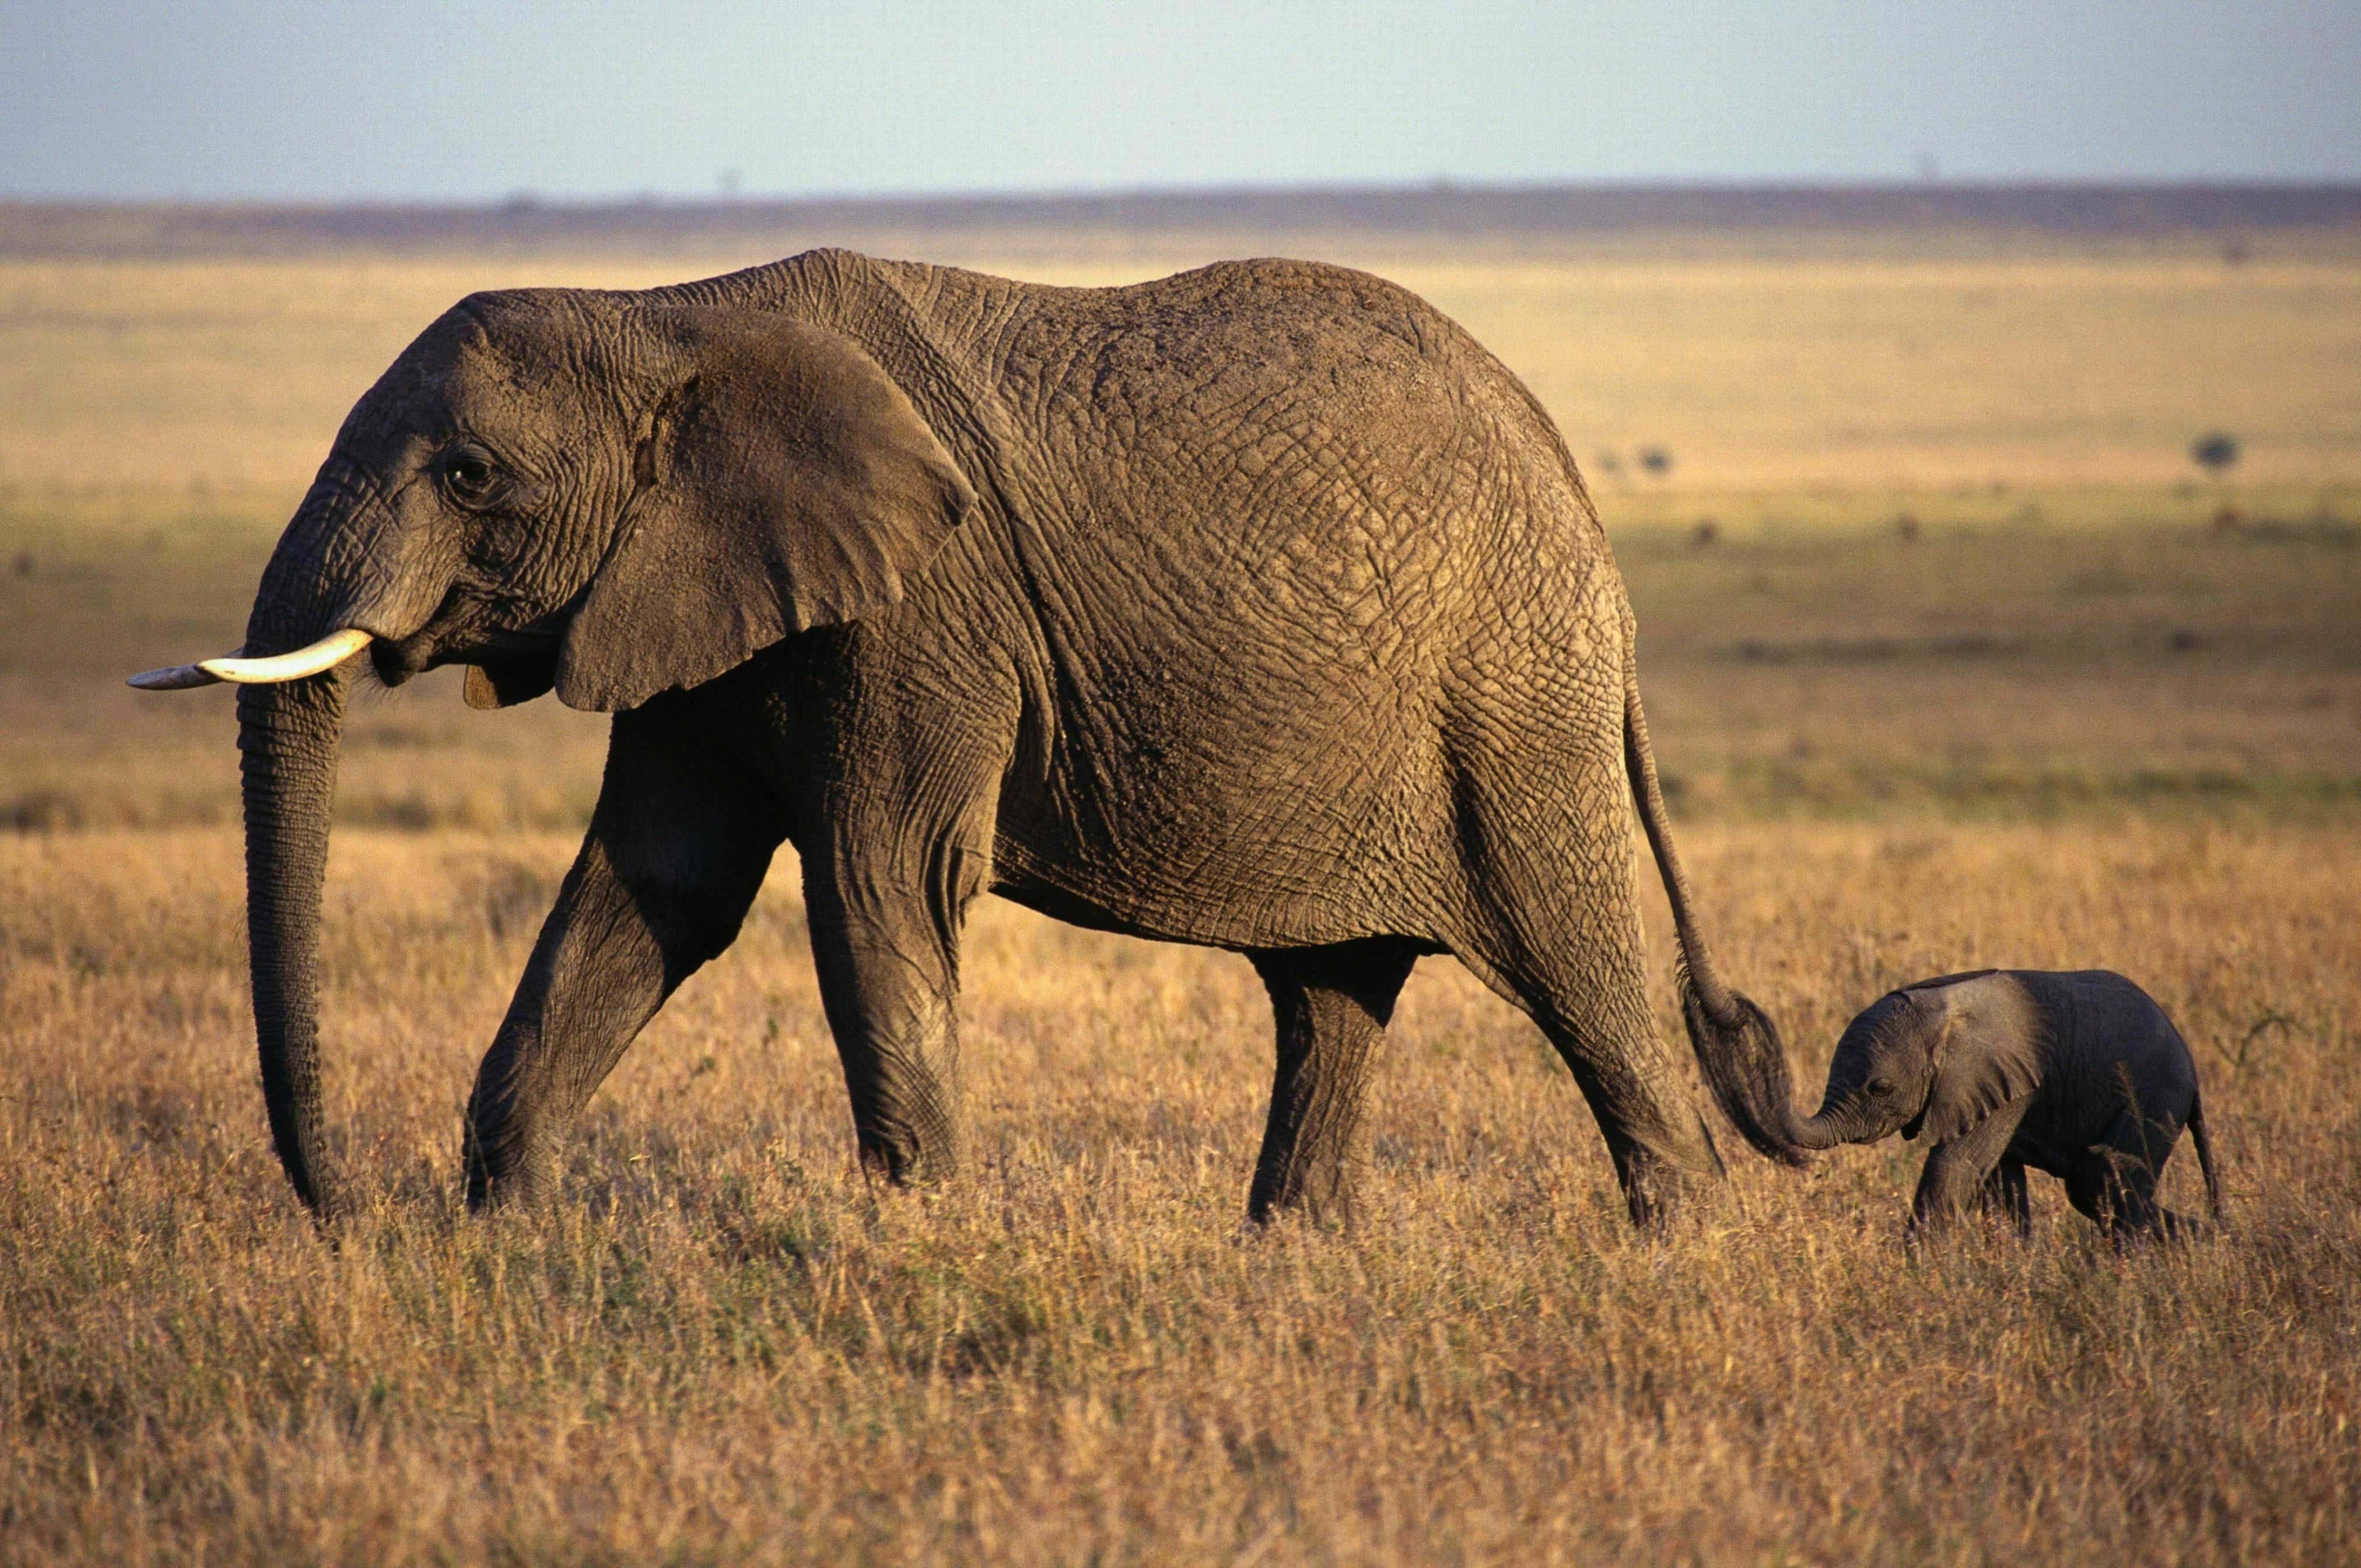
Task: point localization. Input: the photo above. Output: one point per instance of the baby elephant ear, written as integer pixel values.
(1989, 1053)
(783, 482)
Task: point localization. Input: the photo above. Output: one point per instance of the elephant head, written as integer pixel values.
(610, 495)
(1935, 1057)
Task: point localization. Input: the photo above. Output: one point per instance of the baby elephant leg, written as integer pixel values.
(1959, 1174)
(2115, 1180)
(2003, 1196)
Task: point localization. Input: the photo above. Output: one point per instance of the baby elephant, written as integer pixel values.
(2080, 1075)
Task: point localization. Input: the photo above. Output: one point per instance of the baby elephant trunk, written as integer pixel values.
(1825, 1131)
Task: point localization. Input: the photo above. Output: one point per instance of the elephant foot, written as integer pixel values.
(509, 1168)
(516, 1189)
(2160, 1227)
(1661, 1192)
(1318, 1193)
(908, 1158)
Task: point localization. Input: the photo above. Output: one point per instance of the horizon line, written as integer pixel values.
(528, 197)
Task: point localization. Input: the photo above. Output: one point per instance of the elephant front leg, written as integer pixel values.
(886, 949)
(2004, 1196)
(1957, 1173)
(1332, 1005)
(676, 851)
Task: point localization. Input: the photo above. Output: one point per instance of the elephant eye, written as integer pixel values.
(1881, 1086)
(468, 474)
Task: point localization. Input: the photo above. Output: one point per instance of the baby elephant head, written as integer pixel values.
(1937, 1057)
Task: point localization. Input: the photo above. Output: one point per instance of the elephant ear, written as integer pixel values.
(1987, 1054)
(783, 482)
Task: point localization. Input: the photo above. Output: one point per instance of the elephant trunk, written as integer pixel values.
(342, 576)
(1823, 1131)
(290, 731)
(288, 739)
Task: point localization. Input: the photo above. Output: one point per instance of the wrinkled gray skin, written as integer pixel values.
(1258, 607)
(2080, 1075)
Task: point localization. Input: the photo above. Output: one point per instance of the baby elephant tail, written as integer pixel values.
(1736, 1045)
(2204, 1154)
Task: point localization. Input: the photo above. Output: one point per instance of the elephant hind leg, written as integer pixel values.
(1608, 1039)
(1331, 1004)
(1552, 924)
(2114, 1182)
(1564, 945)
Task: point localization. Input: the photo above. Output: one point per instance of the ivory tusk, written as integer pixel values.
(172, 678)
(328, 653)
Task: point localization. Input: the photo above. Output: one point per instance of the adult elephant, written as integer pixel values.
(1258, 607)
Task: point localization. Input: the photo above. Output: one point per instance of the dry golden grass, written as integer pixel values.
(1810, 364)
(723, 1345)
(2064, 724)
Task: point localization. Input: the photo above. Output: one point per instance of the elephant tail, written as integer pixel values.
(2204, 1154)
(1738, 1046)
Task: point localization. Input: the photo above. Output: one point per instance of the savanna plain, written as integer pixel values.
(1953, 657)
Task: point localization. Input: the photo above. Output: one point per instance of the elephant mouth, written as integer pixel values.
(457, 634)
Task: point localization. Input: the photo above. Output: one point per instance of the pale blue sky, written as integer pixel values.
(326, 100)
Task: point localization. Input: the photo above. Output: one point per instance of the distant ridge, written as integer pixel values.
(524, 223)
